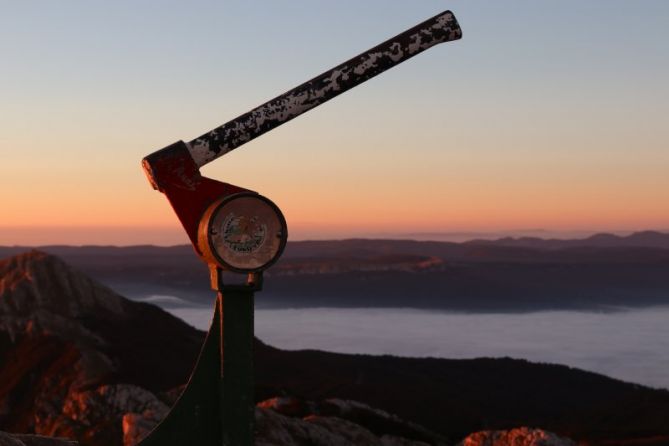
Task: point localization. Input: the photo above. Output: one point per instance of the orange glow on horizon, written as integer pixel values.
(460, 139)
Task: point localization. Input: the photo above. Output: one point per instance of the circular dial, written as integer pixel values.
(243, 232)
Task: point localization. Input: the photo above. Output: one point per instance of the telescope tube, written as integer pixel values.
(440, 28)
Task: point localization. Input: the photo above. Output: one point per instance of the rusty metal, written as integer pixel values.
(217, 407)
(173, 172)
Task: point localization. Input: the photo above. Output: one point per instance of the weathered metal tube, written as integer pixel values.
(440, 28)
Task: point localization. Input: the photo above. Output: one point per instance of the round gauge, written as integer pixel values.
(244, 232)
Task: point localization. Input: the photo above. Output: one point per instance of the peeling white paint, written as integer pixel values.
(441, 28)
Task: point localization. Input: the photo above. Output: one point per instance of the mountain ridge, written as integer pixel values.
(639, 239)
(394, 273)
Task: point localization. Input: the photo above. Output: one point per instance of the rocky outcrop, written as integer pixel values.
(33, 440)
(77, 357)
(332, 417)
(136, 427)
(521, 436)
(378, 421)
(40, 293)
(112, 403)
(274, 429)
(290, 421)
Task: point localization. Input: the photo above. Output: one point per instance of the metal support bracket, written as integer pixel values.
(205, 415)
(254, 281)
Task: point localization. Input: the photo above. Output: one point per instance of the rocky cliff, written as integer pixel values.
(76, 356)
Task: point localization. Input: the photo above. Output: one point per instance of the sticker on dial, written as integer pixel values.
(243, 234)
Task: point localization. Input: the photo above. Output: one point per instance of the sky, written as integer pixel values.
(546, 116)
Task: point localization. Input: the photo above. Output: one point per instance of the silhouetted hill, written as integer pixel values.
(469, 276)
(460, 396)
(76, 358)
(643, 239)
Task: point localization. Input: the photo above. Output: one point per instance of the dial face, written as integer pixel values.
(243, 234)
(246, 232)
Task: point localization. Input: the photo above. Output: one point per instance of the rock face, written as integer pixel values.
(76, 357)
(40, 292)
(334, 422)
(274, 429)
(516, 437)
(33, 440)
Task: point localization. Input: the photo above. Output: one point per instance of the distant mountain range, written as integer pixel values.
(78, 360)
(644, 239)
(526, 274)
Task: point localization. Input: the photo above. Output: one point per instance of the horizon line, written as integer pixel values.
(393, 237)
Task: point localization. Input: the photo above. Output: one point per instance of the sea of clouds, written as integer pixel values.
(632, 344)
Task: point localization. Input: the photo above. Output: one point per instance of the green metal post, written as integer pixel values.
(236, 384)
(217, 407)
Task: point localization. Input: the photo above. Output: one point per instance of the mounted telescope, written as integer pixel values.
(238, 230)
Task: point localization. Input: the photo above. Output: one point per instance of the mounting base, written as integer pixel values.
(217, 406)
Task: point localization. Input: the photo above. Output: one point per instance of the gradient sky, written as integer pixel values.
(549, 115)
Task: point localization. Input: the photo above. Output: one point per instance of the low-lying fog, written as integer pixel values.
(632, 345)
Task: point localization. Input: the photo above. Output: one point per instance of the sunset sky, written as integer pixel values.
(546, 115)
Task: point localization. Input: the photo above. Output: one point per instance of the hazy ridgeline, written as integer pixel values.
(599, 304)
(507, 275)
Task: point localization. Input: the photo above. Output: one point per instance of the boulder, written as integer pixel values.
(522, 436)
